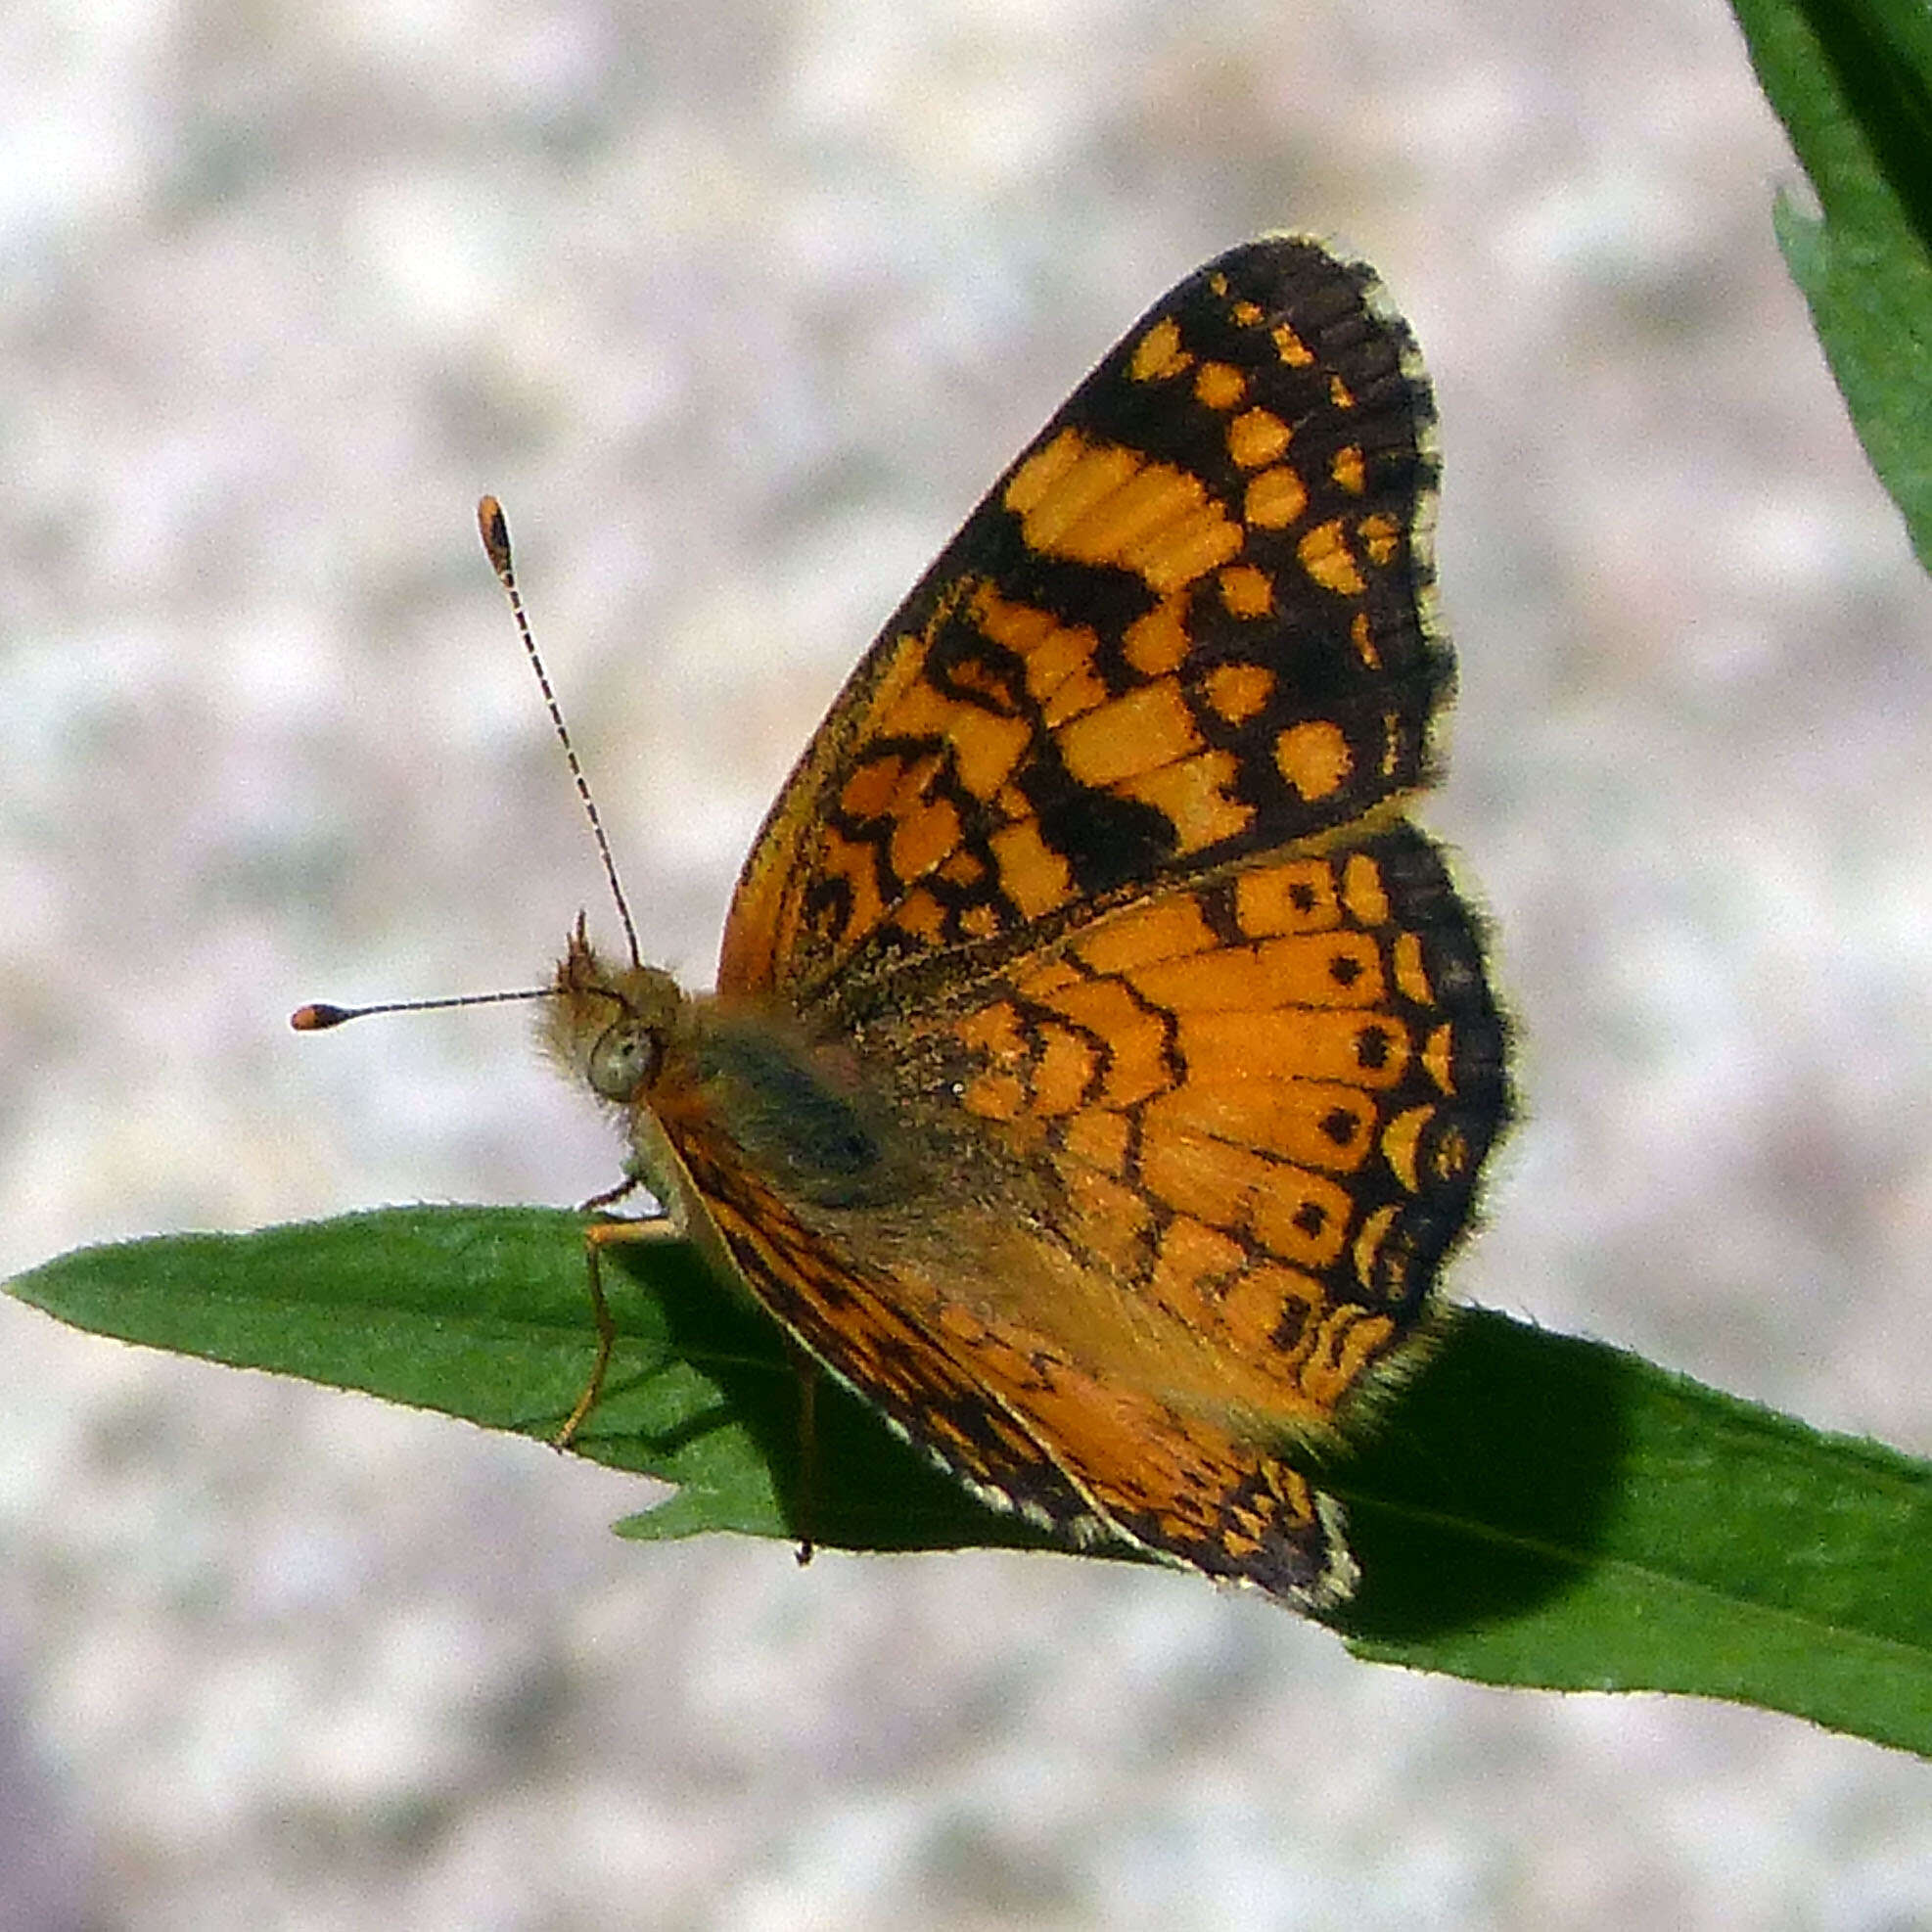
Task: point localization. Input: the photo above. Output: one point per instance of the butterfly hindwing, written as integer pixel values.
(1264, 1099)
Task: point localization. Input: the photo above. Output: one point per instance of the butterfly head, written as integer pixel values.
(611, 1025)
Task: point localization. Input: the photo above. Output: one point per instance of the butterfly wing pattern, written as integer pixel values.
(1101, 1065)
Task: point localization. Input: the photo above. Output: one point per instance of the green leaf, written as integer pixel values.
(485, 1314)
(1543, 1510)
(1530, 1509)
(1852, 81)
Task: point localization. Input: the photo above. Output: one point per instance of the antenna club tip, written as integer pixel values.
(494, 528)
(315, 1019)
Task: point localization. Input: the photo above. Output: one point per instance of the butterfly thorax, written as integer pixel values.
(743, 1074)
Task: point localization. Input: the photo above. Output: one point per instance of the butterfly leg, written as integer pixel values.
(598, 1236)
(806, 1373)
(681, 1217)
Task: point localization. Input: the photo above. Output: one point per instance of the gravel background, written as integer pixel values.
(739, 307)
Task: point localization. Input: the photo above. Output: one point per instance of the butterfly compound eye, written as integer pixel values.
(623, 1059)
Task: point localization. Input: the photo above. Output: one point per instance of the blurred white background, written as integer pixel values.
(739, 305)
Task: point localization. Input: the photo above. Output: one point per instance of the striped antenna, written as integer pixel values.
(495, 531)
(318, 1016)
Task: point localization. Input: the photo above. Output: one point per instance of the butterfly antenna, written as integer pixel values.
(318, 1017)
(495, 532)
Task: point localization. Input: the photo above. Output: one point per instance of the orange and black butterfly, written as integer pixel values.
(1101, 1063)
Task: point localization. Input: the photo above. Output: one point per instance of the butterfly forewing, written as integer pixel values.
(1184, 626)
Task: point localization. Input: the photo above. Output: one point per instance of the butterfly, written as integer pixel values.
(1101, 1063)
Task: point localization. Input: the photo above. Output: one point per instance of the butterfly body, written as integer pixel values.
(1101, 1065)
